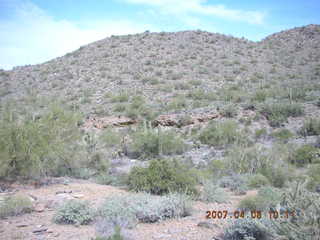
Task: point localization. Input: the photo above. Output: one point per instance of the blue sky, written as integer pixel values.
(34, 31)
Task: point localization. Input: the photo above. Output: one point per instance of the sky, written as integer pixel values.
(35, 31)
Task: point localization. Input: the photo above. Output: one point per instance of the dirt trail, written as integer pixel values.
(24, 227)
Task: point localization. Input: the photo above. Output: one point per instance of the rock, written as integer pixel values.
(22, 225)
(40, 207)
(162, 236)
(40, 230)
(63, 191)
(104, 122)
(77, 195)
(151, 218)
(32, 197)
(58, 200)
(207, 224)
(179, 120)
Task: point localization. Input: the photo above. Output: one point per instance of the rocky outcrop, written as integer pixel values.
(168, 120)
(105, 122)
(180, 120)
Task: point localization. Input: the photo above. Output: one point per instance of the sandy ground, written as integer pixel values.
(45, 198)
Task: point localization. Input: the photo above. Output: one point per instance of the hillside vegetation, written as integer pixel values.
(209, 112)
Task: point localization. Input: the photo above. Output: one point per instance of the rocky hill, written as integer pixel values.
(222, 129)
(174, 71)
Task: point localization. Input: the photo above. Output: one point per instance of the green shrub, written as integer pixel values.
(74, 212)
(110, 138)
(199, 94)
(219, 133)
(150, 208)
(138, 108)
(247, 229)
(260, 96)
(236, 183)
(126, 211)
(305, 223)
(119, 107)
(213, 193)
(177, 103)
(115, 235)
(229, 111)
(121, 97)
(259, 133)
(310, 128)
(115, 211)
(303, 155)
(152, 143)
(271, 195)
(181, 86)
(161, 177)
(33, 148)
(248, 160)
(195, 82)
(277, 113)
(277, 176)
(251, 203)
(282, 134)
(258, 180)
(314, 177)
(15, 205)
(83, 173)
(266, 199)
(185, 120)
(113, 180)
(216, 168)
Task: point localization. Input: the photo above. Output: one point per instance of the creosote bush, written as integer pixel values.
(266, 199)
(162, 176)
(282, 134)
(139, 109)
(311, 127)
(121, 97)
(219, 133)
(235, 182)
(213, 193)
(113, 180)
(258, 180)
(303, 155)
(314, 178)
(74, 212)
(229, 111)
(278, 113)
(248, 160)
(15, 205)
(110, 137)
(260, 133)
(150, 143)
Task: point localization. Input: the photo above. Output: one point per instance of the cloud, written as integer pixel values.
(201, 8)
(31, 36)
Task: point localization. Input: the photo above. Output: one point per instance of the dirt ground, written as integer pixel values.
(38, 224)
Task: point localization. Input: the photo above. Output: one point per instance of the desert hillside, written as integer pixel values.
(167, 126)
